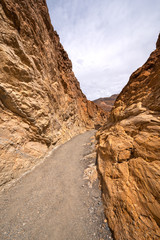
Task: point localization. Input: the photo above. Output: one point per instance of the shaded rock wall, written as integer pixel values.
(129, 156)
(41, 103)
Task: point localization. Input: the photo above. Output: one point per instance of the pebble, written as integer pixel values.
(91, 210)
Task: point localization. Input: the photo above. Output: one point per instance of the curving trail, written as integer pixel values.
(54, 201)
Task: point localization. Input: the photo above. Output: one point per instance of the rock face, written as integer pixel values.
(41, 103)
(106, 103)
(129, 156)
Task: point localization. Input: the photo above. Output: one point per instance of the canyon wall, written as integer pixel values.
(41, 103)
(129, 156)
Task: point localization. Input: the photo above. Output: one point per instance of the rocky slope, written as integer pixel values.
(41, 103)
(129, 156)
(106, 103)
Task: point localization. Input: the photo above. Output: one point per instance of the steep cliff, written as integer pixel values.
(106, 103)
(41, 103)
(129, 156)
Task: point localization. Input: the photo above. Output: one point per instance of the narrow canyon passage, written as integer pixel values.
(54, 201)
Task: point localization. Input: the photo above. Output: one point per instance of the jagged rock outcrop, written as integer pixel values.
(106, 103)
(41, 103)
(129, 156)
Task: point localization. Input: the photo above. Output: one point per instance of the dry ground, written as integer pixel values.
(56, 201)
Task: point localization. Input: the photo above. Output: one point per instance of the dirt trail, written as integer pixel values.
(54, 201)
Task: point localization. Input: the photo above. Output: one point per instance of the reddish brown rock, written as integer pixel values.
(106, 103)
(129, 156)
(41, 103)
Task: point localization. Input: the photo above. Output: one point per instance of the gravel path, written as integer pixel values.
(54, 201)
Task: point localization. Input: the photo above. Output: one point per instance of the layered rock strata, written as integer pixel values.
(129, 156)
(41, 103)
(106, 103)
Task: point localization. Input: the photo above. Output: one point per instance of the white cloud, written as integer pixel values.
(106, 39)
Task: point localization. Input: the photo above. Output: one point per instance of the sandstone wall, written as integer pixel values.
(129, 156)
(41, 103)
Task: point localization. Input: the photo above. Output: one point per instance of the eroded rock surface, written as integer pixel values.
(41, 103)
(129, 156)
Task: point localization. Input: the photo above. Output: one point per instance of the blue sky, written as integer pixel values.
(106, 40)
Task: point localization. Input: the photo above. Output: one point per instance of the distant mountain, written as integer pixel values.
(106, 103)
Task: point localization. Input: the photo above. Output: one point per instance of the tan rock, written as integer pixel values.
(129, 156)
(41, 103)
